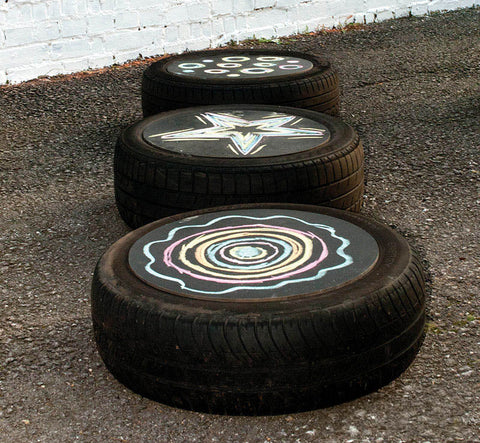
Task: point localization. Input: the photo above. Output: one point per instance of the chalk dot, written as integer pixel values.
(293, 61)
(264, 64)
(188, 70)
(290, 67)
(246, 252)
(235, 58)
(256, 71)
(216, 71)
(229, 65)
(207, 61)
(233, 75)
(191, 65)
(270, 59)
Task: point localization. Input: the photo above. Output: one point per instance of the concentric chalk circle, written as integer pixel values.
(252, 254)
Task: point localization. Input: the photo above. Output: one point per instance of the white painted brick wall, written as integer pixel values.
(49, 37)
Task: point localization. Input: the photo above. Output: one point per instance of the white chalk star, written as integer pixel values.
(246, 135)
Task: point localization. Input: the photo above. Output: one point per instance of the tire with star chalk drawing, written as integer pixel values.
(258, 309)
(196, 158)
(223, 76)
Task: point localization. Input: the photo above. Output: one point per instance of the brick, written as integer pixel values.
(217, 26)
(307, 12)
(17, 75)
(19, 14)
(126, 56)
(399, 12)
(94, 6)
(174, 48)
(75, 65)
(33, 70)
(242, 6)
(369, 17)
(97, 45)
(18, 36)
(128, 40)
(39, 12)
(201, 30)
(176, 14)
(46, 32)
(198, 12)
(171, 34)
(222, 7)
(111, 5)
(54, 9)
(70, 48)
(194, 45)
(128, 19)
(152, 17)
(99, 24)
(259, 4)
(266, 18)
(287, 4)
(386, 14)
(372, 5)
(20, 56)
(230, 24)
(74, 7)
(99, 61)
(74, 27)
(421, 9)
(287, 29)
(184, 32)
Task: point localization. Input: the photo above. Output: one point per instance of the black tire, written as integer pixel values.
(263, 355)
(315, 89)
(152, 182)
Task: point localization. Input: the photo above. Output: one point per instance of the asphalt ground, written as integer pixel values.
(411, 88)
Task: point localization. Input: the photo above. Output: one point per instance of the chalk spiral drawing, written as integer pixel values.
(240, 252)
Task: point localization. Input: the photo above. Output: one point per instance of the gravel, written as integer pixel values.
(411, 88)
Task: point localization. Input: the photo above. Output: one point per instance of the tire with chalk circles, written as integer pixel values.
(258, 309)
(222, 76)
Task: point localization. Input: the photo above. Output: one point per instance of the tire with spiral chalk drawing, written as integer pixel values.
(258, 309)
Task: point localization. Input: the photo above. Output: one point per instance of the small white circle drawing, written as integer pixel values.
(233, 75)
(235, 58)
(188, 71)
(290, 67)
(270, 59)
(229, 65)
(256, 70)
(191, 65)
(293, 61)
(216, 71)
(264, 64)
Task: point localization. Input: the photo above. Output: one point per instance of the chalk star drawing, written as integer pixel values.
(246, 135)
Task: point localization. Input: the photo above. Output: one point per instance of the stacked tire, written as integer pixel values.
(250, 284)
(162, 169)
(220, 77)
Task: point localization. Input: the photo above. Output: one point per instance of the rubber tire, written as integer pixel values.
(261, 357)
(316, 89)
(152, 183)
